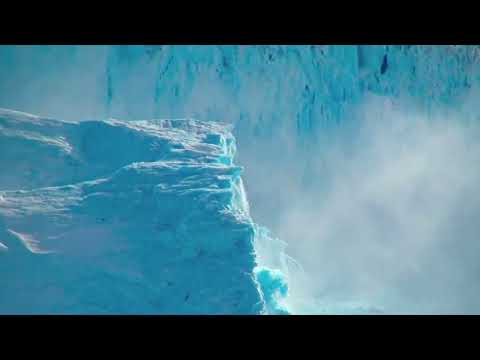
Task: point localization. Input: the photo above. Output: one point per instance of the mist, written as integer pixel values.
(387, 221)
(67, 82)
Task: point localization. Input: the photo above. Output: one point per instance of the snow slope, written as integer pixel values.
(114, 217)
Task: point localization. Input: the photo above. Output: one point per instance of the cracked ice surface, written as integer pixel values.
(101, 217)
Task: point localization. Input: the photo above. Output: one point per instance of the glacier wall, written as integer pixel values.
(314, 125)
(310, 85)
(91, 226)
(281, 98)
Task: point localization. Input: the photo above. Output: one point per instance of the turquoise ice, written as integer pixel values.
(359, 162)
(115, 217)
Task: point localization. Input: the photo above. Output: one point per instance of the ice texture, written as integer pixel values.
(281, 98)
(115, 217)
(265, 88)
(291, 106)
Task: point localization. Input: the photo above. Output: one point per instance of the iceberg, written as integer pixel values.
(115, 217)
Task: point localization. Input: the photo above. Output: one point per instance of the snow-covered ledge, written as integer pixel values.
(143, 217)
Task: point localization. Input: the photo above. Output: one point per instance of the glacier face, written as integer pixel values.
(283, 100)
(318, 174)
(311, 86)
(114, 217)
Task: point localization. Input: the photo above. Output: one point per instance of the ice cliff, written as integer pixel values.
(281, 98)
(326, 184)
(310, 86)
(114, 217)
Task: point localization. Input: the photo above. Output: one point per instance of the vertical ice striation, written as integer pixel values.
(265, 88)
